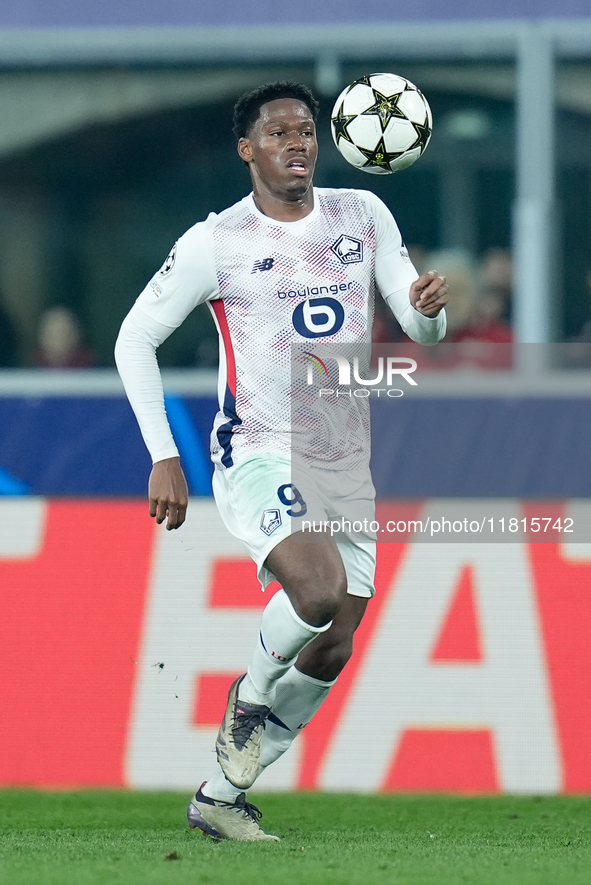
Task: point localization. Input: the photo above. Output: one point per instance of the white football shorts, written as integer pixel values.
(263, 500)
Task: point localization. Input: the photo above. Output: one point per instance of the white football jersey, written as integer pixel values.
(273, 284)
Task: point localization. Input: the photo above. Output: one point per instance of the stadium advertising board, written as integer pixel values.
(117, 638)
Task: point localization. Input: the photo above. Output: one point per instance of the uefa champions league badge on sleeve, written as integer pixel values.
(170, 260)
(381, 123)
(270, 520)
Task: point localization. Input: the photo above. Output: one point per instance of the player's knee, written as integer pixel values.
(319, 605)
(318, 612)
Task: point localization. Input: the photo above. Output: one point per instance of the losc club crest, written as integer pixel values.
(348, 249)
(270, 520)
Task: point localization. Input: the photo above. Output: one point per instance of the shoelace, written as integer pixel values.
(244, 725)
(251, 810)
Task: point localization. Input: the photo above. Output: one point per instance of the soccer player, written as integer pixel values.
(257, 265)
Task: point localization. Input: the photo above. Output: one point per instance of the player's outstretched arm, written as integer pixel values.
(429, 293)
(168, 493)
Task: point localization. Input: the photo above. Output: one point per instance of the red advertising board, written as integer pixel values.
(119, 640)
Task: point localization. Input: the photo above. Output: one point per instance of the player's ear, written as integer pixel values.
(244, 150)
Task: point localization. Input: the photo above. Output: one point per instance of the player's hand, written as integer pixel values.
(168, 493)
(429, 293)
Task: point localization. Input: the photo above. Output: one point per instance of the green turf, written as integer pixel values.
(120, 838)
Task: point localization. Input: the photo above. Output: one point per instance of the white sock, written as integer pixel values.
(297, 700)
(217, 787)
(283, 636)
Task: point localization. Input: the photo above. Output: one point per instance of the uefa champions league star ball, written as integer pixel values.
(381, 123)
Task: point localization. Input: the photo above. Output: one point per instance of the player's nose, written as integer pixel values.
(297, 142)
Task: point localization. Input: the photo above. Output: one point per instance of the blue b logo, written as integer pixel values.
(318, 317)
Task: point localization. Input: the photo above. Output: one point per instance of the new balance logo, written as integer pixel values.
(263, 264)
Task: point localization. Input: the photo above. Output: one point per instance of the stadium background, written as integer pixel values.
(117, 638)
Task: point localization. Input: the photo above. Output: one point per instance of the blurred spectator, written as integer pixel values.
(476, 313)
(59, 341)
(478, 301)
(492, 305)
(477, 334)
(486, 322)
(459, 269)
(496, 279)
(8, 341)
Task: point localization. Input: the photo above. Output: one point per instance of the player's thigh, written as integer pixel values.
(312, 573)
(260, 505)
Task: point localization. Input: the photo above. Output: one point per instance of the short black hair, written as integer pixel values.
(247, 108)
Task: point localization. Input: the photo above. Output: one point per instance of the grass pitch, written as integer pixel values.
(120, 838)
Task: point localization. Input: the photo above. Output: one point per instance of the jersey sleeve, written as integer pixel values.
(395, 273)
(135, 356)
(187, 278)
